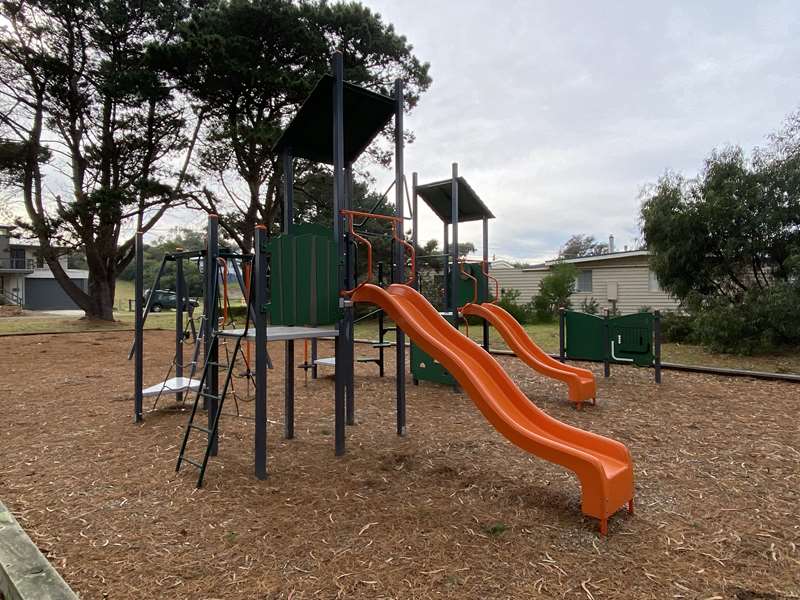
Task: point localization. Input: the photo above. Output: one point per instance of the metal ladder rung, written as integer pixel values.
(205, 430)
(192, 462)
(210, 396)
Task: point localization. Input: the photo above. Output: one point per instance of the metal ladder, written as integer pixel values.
(212, 366)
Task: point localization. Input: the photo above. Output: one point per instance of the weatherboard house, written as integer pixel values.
(27, 281)
(616, 280)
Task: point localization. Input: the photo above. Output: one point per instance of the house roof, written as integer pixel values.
(310, 133)
(584, 259)
(438, 195)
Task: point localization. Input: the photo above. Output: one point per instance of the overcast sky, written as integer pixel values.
(559, 112)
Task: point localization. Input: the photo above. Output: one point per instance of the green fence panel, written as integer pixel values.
(631, 338)
(303, 277)
(584, 336)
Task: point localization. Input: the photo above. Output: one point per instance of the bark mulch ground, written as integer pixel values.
(450, 511)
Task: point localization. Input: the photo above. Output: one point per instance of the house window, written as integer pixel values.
(583, 282)
(652, 283)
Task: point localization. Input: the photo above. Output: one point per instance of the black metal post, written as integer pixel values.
(180, 304)
(211, 341)
(454, 274)
(146, 309)
(350, 270)
(606, 345)
(138, 363)
(288, 192)
(314, 358)
(259, 294)
(657, 344)
(485, 279)
(400, 260)
(288, 398)
(562, 331)
(381, 327)
(414, 220)
(337, 65)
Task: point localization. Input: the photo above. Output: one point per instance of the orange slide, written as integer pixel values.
(603, 465)
(580, 382)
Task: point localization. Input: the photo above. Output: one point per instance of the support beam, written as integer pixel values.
(400, 259)
(259, 295)
(486, 279)
(414, 219)
(288, 191)
(349, 316)
(454, 275)
(288, 396)
(180, 306)
(211, 342)
(138, 363)
(337, 66)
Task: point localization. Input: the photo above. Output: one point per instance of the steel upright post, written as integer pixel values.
(138, 363)
(258, 294)
(288, 192)
(486, 279)
(342, 243)
(180, 305)
(414, 219)
(606, 345)
(211, 341)
(657, 344)
(350, 408)
(454, 275)
(288, 354)
(400, 260)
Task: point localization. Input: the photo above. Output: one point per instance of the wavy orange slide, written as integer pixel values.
(603, 466)
(580, 382)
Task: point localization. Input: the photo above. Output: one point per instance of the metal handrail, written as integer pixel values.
(485, 270)
(351, 214)
(17, 264)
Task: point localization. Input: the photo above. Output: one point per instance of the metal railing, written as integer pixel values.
(17, 264)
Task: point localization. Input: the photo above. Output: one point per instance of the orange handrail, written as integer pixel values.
(485, 270)
(474, 282)
(350, 214)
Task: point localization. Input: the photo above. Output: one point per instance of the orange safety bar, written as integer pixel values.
(485, 270)
(225, 301)
(351, 214)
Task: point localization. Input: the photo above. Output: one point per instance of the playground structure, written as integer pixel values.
(312, 280)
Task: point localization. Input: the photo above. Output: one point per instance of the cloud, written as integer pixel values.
(558, 114)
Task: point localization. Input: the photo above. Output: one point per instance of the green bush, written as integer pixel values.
(554, 291)
(676, 328)
(590, 306)
(509, 301)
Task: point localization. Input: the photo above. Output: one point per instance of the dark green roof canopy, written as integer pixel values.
(439, 197)
(310, 133)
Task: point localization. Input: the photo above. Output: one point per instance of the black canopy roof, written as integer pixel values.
(438, 195)
(310, 133)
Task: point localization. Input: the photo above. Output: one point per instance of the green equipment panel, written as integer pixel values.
(303, 277)
(423, 366)
(630, 338)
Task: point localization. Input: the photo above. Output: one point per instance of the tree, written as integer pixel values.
(77, 74)
(727, 243)
(555, 290)
(251, 63)
(582, 245)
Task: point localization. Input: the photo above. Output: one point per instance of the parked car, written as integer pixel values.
(166, 299)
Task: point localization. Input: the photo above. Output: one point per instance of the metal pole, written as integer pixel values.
(381, 327)
(259, 294)
(211, 341)
(454, 275)
(562, 330)
(138, 363)
(414, 220)
(288, 397)
(180, 291)
(288, 192)
(400, 262)
(657, 343)
(146, 309)
(606, 346)
(337, 65)
(350, 409)
(485, 279)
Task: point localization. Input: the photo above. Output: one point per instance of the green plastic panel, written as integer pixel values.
(303, 277)
(630, 338)
(425, 368)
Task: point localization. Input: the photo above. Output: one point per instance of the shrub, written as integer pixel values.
(590, 306)
(554, 291)
(676, 328)
(509, 301)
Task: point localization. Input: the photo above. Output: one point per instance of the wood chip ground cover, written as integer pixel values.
(450, 511)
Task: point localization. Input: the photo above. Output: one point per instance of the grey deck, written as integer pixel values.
(283, 332)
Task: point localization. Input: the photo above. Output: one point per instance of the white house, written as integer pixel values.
(26, 280)
(621, 280)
